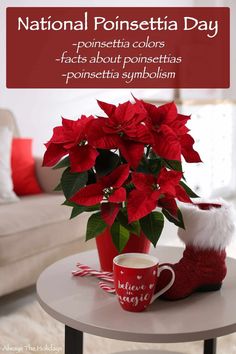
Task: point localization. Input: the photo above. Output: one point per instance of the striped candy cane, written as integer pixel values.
(107, 288)
(80, 272)
(85, 267)
(85, 270)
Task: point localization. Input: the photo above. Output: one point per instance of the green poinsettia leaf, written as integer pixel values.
(155, 165)
(69, 203)
(58, 188)
(152, 226)
(133, 227)
(63, 163)
(173, 164)
(91, 177)
(72, 182)
(106, 162)
(178, 220)
(129, 187)
(188, 190)
(86, 208)
(143, 165)
(77, 210)
(120, 236)
(95, 226)
(93, 207)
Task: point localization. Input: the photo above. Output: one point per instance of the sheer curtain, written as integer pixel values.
(213, 128)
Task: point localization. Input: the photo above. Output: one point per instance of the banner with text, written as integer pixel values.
(117, 47)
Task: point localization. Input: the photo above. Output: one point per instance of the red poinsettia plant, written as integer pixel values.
(125, 167)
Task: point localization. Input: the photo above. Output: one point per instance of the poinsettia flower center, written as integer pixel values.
(155, 186)
(108, 191)
(156, 128)
(119, 129)
(83, 143)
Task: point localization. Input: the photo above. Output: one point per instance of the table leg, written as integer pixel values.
(73, 341)
(210, 346)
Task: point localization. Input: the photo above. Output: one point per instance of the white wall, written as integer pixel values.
(37, 111)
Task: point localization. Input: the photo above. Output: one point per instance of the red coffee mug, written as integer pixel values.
(135, 279)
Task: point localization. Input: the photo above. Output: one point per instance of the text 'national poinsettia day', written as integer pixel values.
(50, 23)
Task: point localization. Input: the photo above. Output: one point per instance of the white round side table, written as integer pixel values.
(82, 306)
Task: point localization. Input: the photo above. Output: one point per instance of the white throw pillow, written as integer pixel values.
(7, 194)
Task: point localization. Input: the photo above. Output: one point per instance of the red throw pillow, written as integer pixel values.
(23, 168)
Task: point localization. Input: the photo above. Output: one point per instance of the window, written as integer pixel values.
(214, 130)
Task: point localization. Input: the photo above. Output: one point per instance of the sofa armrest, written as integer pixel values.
(47, 177)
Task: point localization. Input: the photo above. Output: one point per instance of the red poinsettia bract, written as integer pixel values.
(71, 138)
(123, 129)
(170, 138)
(151, 191)
(109, 188)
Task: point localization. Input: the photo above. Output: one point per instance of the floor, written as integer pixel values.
(12, 302)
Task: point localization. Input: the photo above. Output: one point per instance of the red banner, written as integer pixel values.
(117, 47)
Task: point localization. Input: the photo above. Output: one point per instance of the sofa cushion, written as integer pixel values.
(23, 168)
(27, 270)
(35, 224)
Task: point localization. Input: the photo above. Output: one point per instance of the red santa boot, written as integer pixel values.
(208, 230)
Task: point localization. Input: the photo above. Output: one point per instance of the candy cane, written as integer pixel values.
(79, 272)
(85, 270)
(82, 273)
(85, 267)
(105, 276)
(107, 288)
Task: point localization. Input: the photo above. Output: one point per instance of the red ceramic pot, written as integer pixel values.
(107, 250)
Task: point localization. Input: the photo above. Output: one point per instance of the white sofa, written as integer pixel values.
(36, 231)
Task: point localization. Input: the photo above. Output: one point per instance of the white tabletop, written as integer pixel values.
(81, 304)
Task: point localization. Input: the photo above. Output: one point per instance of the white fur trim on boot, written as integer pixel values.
(207, 229)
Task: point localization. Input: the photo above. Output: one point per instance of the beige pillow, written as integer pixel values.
(7, 194)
